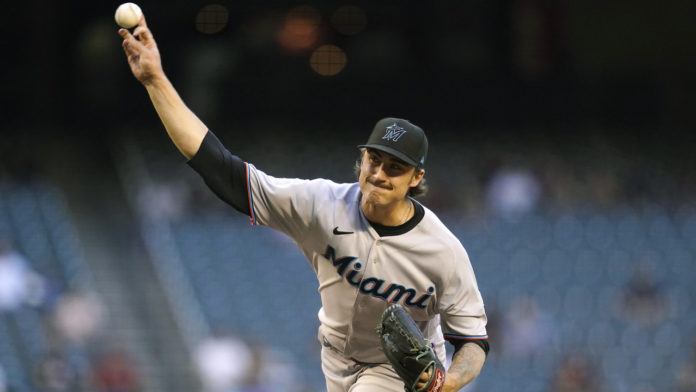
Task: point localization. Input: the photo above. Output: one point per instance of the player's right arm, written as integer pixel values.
(226, 174)
(223, 172)
(185, 129)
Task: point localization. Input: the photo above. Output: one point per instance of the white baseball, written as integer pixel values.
(128, 15)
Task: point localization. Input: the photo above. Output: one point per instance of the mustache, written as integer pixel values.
(378, 183)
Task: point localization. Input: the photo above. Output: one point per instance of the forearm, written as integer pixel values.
(184, 128)
(466, 366)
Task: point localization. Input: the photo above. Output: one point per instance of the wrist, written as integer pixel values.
(156, 81)
(451, 383)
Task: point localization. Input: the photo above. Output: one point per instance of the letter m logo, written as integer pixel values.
(394, 132)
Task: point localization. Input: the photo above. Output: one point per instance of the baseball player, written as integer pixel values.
(370, 243)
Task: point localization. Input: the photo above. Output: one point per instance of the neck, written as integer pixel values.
(395, 214)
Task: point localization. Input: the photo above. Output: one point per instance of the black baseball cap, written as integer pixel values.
(399, 138)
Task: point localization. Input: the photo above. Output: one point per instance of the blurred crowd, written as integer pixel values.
(54, 326)
(75, 354)
(78, 353)
(228, 363)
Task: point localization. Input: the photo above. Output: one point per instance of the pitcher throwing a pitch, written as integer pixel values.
(370, 243)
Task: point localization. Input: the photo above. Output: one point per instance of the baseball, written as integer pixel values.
(128, 15)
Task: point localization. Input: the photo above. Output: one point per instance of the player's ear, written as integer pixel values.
(417, 177)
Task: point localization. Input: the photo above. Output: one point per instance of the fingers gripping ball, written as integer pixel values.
(128, 15)
(409, 352)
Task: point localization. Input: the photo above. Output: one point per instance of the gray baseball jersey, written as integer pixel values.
(360, 273)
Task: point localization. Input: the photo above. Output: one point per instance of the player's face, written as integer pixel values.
(385, 179)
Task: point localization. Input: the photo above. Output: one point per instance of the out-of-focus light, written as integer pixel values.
(212, 18)
(300, 30)
(349, 19)
(328, 60)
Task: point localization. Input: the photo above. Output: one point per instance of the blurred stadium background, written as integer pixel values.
(561, 155)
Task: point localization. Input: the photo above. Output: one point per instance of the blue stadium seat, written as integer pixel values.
(568, 232)
(599, 232)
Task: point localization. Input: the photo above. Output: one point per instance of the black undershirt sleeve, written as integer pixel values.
(483, 343)
(223, 172)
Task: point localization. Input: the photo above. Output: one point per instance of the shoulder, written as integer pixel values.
(433, 230)
(320, 186)
(433, 225)
(337, 192)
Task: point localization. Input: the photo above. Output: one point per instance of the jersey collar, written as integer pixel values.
(387, 231)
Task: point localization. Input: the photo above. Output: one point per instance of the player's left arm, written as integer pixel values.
(466, 365)
(463, 321)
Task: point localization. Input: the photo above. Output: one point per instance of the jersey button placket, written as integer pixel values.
(375, 259)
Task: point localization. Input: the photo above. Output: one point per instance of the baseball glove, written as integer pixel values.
(409, 353)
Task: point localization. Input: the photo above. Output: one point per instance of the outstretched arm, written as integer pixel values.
(184, 128)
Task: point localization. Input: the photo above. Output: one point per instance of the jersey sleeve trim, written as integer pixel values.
(252, 216)
(459, 343)
(449, 336)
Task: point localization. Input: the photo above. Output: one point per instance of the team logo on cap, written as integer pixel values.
(394, 132)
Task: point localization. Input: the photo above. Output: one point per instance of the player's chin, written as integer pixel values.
(374, 196)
